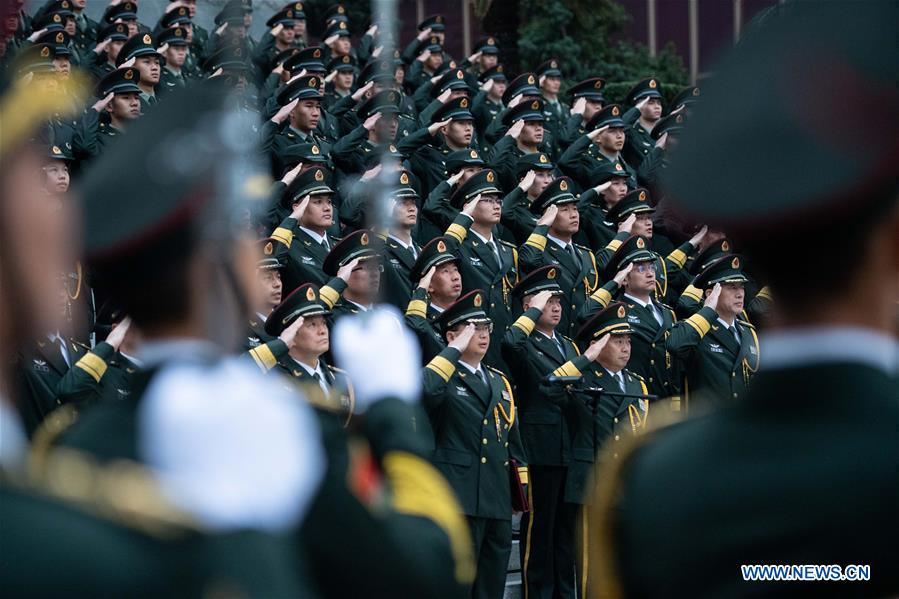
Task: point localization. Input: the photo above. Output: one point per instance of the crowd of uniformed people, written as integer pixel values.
(493, 264)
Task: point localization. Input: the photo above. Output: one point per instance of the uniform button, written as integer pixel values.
(505, 463)
(735, 396)
(484, 440)
(483, 460)
(616, 420)
(733, 374)
(492, 305)
(485, 421)
(653, 344)
(573, 307)
(652, 362)
(617, 438)
(650, 379)
(506, 444)
(616, 455)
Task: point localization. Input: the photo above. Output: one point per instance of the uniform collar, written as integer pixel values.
(562, 244)
(313, 234)
(793, 348)
(481, 237)
(638, 301)
(470, 368)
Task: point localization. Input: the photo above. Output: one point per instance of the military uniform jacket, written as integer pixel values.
(396, 286)
(476, 433)
(582, 157)
(601, 421)
(637, 144)
(302, 255)
(671, 277)
(479, 269)
(427, 157)
(532, 356)
(577, 279)
(596, 231)
(717, 368)
(39, 370)
(101, 374)
(170, 81)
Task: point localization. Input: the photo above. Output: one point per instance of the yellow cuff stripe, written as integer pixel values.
(614, 245)
(457, 232)
(523, 474)
(283, 235)
(567, 369)
(536, 241)
(602, 296)
(417, 308)
(417, 488)
(329, 296)
(442, 366)
(525, 324)
(765, 293)
(699, 323)
(693, 293)
(263, 357)
(678, 257)
(92, 364)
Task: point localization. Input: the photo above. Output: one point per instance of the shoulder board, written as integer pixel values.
(506, 243)
(582, 247)
(386, 239)
(634, 374)
(496, 371)
(746, 323)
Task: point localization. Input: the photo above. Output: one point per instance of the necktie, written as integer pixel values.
(413, 252)
(573, 253)
(620, 378)
(559, 345)
(735, 333)
(483, 377)
(325, 244)
(61, 345)
(655, 312)
(494, 251)
(320, 381)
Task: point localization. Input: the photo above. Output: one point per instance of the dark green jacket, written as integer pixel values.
(39, 369)
(578, 280)
(476, 433)
(478, 267)
(600, 421)
(717, 369)
(420, 317)
(101, 374)
(532, 356)
(302, 255)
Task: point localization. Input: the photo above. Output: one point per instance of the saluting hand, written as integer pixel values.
(468, 208)
(330, 76)
(594, 135)
(371, 173)
(117, 335)
(37, 34)
(300, 209)
(290, 175)
(712, 300)
(371, 121)
(515, 130)
(474, 57)
(527, 181)
(455, 178)
(435, 127)
(621, 276)
(425, 281)
(221, 28)
(662, 141)
(101, 105)
(289, 335)
(284, 111)
(596, 347)
(487, 86)
(424, 56)
(603, 186)
(697, 239)
(628, 225)
(276, 30)
(580, 106)
(549, 215)
(101, 47)
(539, 300)
(444, 97)
(331, 40)
(464, 338)
(423, 35)
(129, 63)
(359, 93)
(345, 271)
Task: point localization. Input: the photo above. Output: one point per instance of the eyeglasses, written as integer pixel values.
(483, 327)
(370, 266)
(644, 266)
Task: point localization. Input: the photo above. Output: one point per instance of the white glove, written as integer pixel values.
(380, 355)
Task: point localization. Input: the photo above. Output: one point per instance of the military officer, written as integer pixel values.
(175, 42)
(488, 102)
(105, 373)
(615, 409)
(594, 205)
(485, 261)
(400, 249)
(587, 99)
(549, 79)
(281, 36)
(303, 238)
(269, 293)
(120, 102)
(300, 103)
(439, 285)
(647, 99)
(363, 248)
(525, 135)
(601, 144)
(146, 60)
(102, 59)
(85, 28)
(631, 273)
(524, 88)
(473, 415)
(719, 352)
(551, 242)
(533, 173)
(439, 213)
(534, 350)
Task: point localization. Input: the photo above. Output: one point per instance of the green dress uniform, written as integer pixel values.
(718, 363)
(583, 157)
(101, 374)
(473, 417)
(495, 271)
(579, 273)
(517, 217)
(398, 261)
(548, 529)
(302, 255)
(638, 141)
(39, 371)
(415, 545)
(420, 313)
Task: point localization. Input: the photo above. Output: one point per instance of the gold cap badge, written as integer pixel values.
(642, 196)
(621, 312)
(652, 83)
(615, 111)
(490, 176)
(56, 150)
(543, 159)
(735, 263)
(269, 249)
(725, 247)
(640, 243)
(310, 294)
(551, 274)
(477, 300)
(404, 179)
(441, 246)
(363, 239)
(319, 175)
(563, 185)
(148, 39)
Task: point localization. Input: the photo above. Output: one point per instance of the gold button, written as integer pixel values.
(616, 455)
(653, 344)
(485, 421)
(484, 440)
(652, 362)
(733, 374)
(573, 307)
(617, 438)
(616, 420)
(735, 396)
(483, 460)
(507, 444)
(505, 463)
(650, 379)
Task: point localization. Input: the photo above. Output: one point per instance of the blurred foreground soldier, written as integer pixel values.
(170, 256)
(473, 415)
(804, 469)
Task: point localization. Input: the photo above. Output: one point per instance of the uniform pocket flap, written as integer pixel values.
(452, 456)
